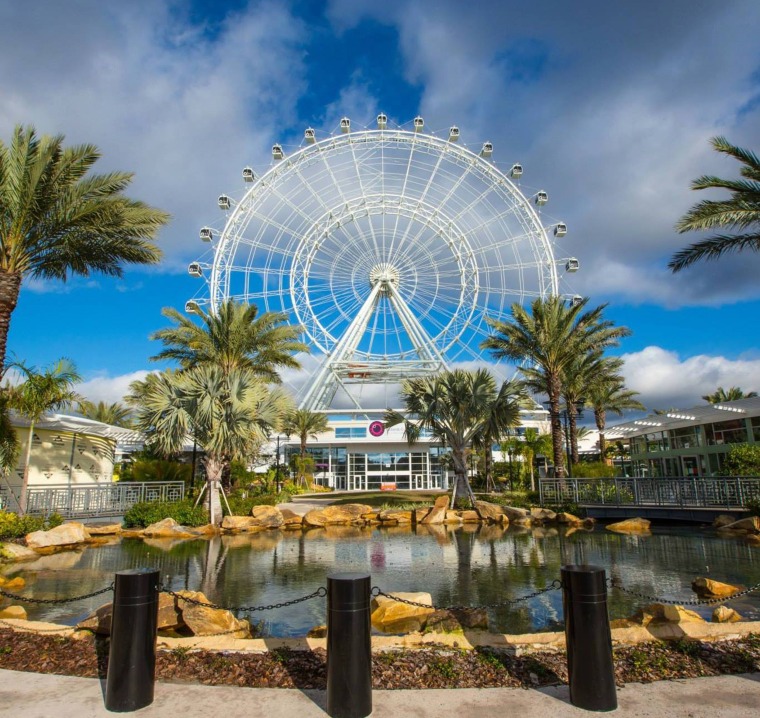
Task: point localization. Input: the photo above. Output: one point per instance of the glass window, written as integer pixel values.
(686, 438)
(733, 431)
(350, 432)
(756, 428)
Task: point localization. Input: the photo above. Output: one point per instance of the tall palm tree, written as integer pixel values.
(56, 220)
(533, 445)
(304, 424)
(226, 412)
(732, 394)
(550, 337)
(39, 393)
(607, 393)
(233, 336)
(741, 211)
(455, 407)
(116, 414)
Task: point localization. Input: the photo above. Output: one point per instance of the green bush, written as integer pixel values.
(149, 512)
(743, 460)
(14, 526)
(754, 506)
(156, 470)
(518, 499)
(594, 470)
(241, 505)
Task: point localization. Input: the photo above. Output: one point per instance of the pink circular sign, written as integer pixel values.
(376, 428)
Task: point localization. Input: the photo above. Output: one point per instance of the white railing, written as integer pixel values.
(114, 499)
(728, 492)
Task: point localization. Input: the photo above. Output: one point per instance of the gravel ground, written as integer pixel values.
(436, 667)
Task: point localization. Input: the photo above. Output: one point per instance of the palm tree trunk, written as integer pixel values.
(10, 286)
(27, 459)
(559, 457)
(572, 416)
(214, 467)
(600, 418)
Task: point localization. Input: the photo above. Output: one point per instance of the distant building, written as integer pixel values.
(688, 442)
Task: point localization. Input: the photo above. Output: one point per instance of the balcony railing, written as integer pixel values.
(96, 500)
(696, 492)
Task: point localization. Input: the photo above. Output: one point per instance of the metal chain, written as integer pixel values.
(54, 601)
(553, 586)
(695, 602)
(319, 593)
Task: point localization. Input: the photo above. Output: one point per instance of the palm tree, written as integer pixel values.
(741, 211)
(550, 337)
(116, 414)
(533, 445)
(57, 221)
(455, 407)
(233, 336)
(304, 424)
(226, 412)
(41, 392)
(732, 394)
(607, 392)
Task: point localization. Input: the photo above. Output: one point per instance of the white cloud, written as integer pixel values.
(665, 380)
(109, 389)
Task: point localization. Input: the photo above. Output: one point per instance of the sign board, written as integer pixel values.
(387, 487)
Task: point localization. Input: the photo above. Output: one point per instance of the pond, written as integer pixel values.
(470, 565)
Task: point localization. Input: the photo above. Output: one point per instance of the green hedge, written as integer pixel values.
(14, 526)
(149, 512)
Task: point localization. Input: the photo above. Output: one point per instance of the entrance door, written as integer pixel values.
(690, 465)
(357, 482)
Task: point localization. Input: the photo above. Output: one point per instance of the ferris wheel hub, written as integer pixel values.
(384, 274)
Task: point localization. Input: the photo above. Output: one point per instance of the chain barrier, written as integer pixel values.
(677, 602)
(553, 586)
(319, 593)
(54, 601)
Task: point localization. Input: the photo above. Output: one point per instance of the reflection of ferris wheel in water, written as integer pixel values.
(390, 247)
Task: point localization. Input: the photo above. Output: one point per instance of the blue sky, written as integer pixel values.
(609, 106)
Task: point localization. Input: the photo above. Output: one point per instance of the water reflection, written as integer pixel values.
(458, 565)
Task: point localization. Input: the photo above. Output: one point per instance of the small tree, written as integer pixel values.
(743, 460)
(304, 424)
(533, 445)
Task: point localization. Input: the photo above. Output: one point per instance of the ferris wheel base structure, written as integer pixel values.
(392, 248)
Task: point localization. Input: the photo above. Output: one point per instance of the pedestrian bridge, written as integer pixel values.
(676, 498)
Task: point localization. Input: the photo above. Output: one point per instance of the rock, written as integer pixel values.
(400, 517)
(241, 524)
(341, 514)
(437, 515)
(444, 621)
(724, 614)
(752, 539)
(317, 632)
(13, 612)
(103, 529)
(169, 617)
(490, 512)
(64, 535)
(570, 519)
(206, 530)
(513, 513)
(679, 614)
(290, 519)
(12, 584)
(16, 552)
(542, 514)
(419, 515)
(392, 616)
(207, 621)
(269, 517)
(723, 520)
(751, 524)
(707, 588)
(630, 526)
(168, 528)
(525, 521)
(469, 516)
(452, 517)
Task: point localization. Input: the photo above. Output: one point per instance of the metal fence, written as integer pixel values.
(73, 501)
(695, 492)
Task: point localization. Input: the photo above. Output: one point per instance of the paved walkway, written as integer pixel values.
(34, 695)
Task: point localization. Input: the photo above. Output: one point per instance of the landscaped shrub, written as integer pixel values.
(156, 470)
(14, 526)
(743, 460)
(518, 499)
(149, 512)
(594, 470)
(241, 503)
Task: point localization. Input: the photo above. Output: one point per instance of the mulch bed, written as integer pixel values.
(435, 667)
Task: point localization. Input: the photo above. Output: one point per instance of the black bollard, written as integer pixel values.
(349, 646)
(132, 657)
(588, 637)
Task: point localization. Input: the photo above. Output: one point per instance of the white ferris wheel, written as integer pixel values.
(389, 246)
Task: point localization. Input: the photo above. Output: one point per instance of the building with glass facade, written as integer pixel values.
(689, 442)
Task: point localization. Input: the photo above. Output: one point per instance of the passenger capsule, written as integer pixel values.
(419, 123)
(206, 234)
(576, 299)
(345, 125)
(486, 150)
(541, 198)
(453, 133)
(194, 269)
(560, 230)
(308, 135)
(277, 152)
(224, 202)
(248, 175)
(572, 265)
(516, 171)
(382, 121)
(192, 307)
